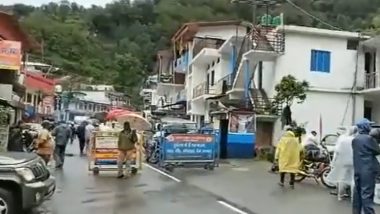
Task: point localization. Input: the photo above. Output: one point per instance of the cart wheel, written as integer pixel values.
(96, 171)
(206, 167)
(211, 167)
(134, 171)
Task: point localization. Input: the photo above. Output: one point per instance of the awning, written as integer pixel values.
(216, 97)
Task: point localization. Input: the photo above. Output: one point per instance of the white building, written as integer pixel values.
(222, 58)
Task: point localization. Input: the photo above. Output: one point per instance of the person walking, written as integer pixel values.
(366, 168)
(89, 129)
(81, 133)
(342, 166)
(62, 134)
(126, 147)
(288, 155)
(44, 143)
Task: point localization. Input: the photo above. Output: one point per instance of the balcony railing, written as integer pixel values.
(206, 43)
(372, 80)
(202, 89)
(266, 106)
(268, 39)
(225, 84)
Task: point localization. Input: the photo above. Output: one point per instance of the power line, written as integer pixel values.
(312, 16)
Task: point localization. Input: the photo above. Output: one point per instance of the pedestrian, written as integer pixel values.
(15, 141)
(126, 147)
(288, 155)
(62, 134)
(81, 133)
(366, 168)
(44, 142)
(73, 131)
(89, 129)
(342, 166)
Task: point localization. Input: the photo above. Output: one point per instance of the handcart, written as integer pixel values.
(103, 152)
(188, 150)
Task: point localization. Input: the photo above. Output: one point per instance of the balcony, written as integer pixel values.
(202, 89)
(206, 50)
(268, 39)
(372, 80)
(181, 64)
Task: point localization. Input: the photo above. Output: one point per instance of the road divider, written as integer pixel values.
(162, 172)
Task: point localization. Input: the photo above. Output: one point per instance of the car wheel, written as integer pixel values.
(7, 202)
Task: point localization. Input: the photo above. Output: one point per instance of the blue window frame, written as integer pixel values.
(320, 61)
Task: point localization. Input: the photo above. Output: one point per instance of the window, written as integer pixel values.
(212, 78)
(320, 61)
(352, 44)
(218, 60)
(29, 98)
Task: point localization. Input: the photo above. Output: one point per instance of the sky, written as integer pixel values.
(86, 3)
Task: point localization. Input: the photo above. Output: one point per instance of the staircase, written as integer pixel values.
(262, 105)
(260, 43)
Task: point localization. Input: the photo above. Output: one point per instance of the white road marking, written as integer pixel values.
(162, 172)
(229, 206)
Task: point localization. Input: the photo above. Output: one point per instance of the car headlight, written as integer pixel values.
(26, 173)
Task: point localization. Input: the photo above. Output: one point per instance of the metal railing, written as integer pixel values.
(202, 89)
(266, 106)
(202, 43)
(226, 83)
(372, 80)
(268, 39)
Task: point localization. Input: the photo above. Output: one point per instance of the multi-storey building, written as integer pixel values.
(230, 66)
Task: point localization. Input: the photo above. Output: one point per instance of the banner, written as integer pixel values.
(10, 55)
(242, 123)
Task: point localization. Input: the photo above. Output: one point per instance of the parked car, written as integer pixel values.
(25, 182)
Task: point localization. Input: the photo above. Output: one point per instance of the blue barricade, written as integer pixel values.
(186, 150)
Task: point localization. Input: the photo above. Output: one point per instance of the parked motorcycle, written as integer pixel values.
(317, 168)
(153, 151)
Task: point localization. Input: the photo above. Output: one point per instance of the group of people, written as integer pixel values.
(354, 164)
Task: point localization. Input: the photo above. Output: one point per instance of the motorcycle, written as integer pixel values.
(153, 151)
(317, 169)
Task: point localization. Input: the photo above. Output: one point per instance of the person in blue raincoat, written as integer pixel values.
(366, 168)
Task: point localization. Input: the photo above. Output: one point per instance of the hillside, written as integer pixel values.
(116, 44)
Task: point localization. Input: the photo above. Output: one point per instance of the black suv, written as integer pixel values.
(25, 182)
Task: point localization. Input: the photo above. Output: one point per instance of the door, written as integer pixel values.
(368, 110)
(223, 132)
(264, 134)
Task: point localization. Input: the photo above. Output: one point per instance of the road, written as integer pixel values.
(243, 187)
(150, 192)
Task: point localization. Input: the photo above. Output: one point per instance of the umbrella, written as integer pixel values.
(137, 122)
(112, 115)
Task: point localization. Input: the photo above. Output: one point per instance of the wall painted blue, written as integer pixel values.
(239, 145)
(233, 57)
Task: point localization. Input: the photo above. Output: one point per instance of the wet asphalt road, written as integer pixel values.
(78, 191)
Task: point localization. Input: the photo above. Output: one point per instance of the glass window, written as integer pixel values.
(320, 61)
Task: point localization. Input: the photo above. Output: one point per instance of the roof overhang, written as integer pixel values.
(188, 30)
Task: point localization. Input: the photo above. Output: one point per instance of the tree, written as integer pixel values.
(287, 91)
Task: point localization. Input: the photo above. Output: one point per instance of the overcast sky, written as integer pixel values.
(86, 3)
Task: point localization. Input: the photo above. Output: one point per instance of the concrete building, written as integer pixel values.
(91, 99)
(222, 67)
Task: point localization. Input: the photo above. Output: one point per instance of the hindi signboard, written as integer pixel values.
(189, 147)
(10, 55)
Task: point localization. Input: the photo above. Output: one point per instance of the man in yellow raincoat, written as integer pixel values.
(288, 155)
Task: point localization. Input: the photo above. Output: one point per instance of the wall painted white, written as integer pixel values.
(297, 59)
(335, 109)
(221, 32)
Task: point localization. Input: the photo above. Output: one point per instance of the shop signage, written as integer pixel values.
(10, 55)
